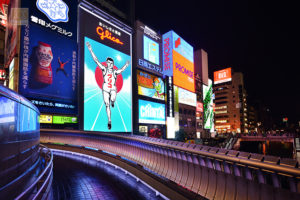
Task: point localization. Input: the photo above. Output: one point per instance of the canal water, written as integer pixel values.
(281, 149)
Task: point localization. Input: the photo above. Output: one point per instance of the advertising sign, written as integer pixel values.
(178, 61)
(148, 49)
(187, 97)
(199, 107)
(64, 120)
(150, 86)
(208, 106)
(48, 56)
(151, 112)
(2, 74)
(46, 119)
(170, 97)
(222, 76)
(106, 62)
(59, 16)
(3, 12)
(48, 70)
(11, 33)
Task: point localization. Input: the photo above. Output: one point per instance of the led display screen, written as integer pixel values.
(151, 112)
(106, 61)
(151, 50)
(148, 45)
(208, 106)
(178, 61)
(8, 111)
(187, 97)
(150, 86)
(222, 76)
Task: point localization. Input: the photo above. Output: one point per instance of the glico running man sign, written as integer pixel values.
(105, 58)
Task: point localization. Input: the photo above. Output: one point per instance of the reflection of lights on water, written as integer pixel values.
(119, 58)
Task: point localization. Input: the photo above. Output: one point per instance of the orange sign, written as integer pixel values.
(106, 34)
(222, 76)
(183, 72)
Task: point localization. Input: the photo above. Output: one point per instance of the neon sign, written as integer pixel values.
(107, 35)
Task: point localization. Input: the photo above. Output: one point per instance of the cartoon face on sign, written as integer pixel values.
(55, 10)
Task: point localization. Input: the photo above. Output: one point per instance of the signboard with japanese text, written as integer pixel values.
(59, 16)
(178, 61)
(105, 60)
(48, 70)
(222, 76)
(150, 86)
(48, 61)
(151, 112)
(148, 49)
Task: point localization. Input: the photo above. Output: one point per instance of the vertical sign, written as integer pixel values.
(106, 62)
(208, 106)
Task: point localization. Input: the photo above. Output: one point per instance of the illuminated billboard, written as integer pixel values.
(64, 120)
(106, 62)
(208, 106)
(178, 61)
(187, 97)
(148, 45)
(199, 107)
(48, 70)
(222, 76)
(48, 56)
(151, 112)
(3, 12)
(2, 74)
(150, 86)
(46, 119)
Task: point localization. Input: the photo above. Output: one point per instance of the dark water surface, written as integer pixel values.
(281, 149)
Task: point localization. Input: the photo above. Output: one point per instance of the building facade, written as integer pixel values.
(231, 104)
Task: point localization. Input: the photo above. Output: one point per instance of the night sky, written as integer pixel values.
(257, 38)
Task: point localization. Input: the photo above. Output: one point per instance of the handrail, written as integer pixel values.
(41, 178)
(232, 159)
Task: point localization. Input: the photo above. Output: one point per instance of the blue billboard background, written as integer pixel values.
(151, 112)
(59, 95)
(151, 50)
(95, 117)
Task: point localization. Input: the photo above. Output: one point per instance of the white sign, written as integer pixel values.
(187, 97)
(55, 10)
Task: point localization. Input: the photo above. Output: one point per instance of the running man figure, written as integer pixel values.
(62, 67)
(109, 89)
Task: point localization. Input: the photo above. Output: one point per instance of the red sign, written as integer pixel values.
(199, 107)
(285, 119)
(3, 12)
(2, 74)
(222, 76)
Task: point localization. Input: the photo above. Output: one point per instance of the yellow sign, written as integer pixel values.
(46, 119)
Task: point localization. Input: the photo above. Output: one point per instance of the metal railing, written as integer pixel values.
(40, 188)
(202, 169)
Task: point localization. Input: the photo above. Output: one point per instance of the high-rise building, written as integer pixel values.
(230, 102)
